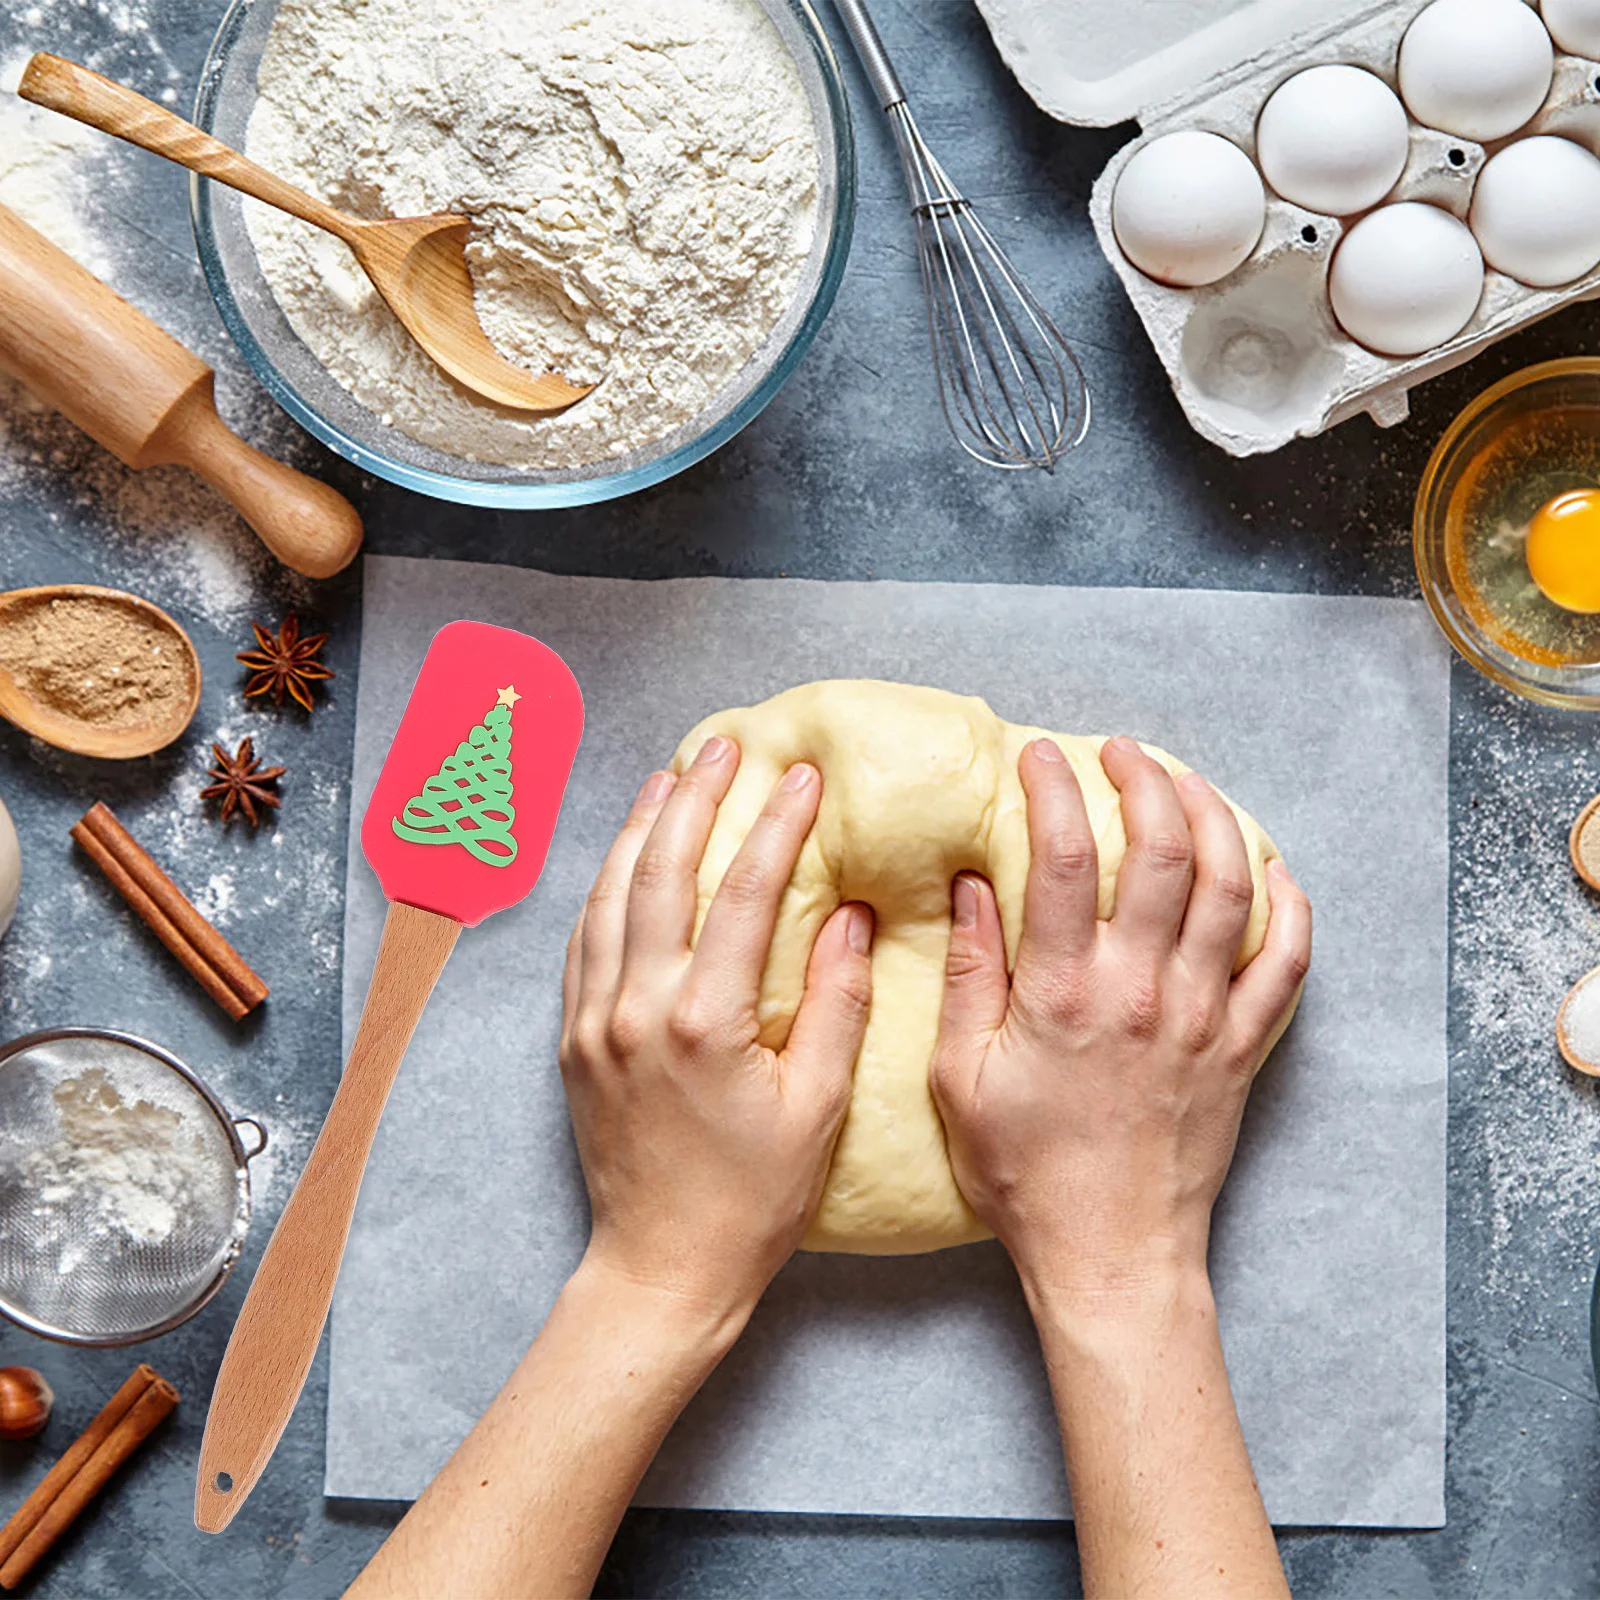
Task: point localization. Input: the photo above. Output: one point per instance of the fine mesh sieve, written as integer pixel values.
(124, 1187)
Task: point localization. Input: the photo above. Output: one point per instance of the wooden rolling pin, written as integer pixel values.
(85, 351)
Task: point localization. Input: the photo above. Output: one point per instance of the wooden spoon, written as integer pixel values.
(72, 733)
(417, 264)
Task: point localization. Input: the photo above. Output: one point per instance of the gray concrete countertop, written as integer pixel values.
(849, 474)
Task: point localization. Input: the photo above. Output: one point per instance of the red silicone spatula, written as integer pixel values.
(457, 829)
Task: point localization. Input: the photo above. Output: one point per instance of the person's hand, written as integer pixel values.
(1092, 1100)
(705, 1153)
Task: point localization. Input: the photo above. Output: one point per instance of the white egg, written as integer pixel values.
(1476, 68)
(1574, 25)
(1536, 211)
(1333, 139)
(1189, 208)
(1406, 278)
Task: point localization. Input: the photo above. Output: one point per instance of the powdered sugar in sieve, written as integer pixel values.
(124, 1187)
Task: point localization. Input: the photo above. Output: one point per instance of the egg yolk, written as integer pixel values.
(1564, 550)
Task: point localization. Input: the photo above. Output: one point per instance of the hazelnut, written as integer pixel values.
(25, 1401)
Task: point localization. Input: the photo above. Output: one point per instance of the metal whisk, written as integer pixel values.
(1012, 390)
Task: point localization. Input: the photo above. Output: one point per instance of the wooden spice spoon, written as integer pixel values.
(418, 264)
(72, 733)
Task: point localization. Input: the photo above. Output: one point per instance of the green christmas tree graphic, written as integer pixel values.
(468, 801)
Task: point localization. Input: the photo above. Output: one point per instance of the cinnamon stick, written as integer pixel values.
(90, 1440)
(128, 1418)
(208, 958)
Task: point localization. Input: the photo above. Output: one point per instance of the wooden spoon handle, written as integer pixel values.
(276, 1336)
(85, 96)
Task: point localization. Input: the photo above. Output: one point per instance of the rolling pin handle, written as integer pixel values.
(306, 524)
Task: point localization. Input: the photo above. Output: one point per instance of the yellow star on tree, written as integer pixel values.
(509, 696)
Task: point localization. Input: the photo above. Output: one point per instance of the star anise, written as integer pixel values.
(285, 663)
(242, 783)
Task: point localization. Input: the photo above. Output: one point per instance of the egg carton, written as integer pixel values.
(1258, 359)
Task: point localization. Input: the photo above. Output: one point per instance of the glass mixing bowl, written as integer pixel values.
(1532, 436)
(303, 387)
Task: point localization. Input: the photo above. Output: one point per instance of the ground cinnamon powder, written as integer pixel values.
(94, 659)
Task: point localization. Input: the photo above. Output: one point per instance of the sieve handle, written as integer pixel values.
(260, 1131)
(276, 1336)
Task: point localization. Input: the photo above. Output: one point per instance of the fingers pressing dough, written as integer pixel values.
(918, 785)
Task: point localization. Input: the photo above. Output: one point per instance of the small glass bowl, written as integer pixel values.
(1531, 436)
(314, 398)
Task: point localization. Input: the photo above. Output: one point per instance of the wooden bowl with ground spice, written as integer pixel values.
(95, 671)
(1584, 844)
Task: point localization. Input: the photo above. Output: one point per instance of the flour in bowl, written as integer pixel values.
(642, 178)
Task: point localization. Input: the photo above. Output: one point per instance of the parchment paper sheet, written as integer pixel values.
(914, 1386)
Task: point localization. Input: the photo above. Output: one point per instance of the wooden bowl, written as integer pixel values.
(1584, 818)
(86, 738)
(1570, 1053)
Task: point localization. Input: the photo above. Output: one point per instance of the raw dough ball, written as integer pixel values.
(1536, 211)
(1333, 139)
(1406, 278)
(918, 785)
(1575, 25)
(10, 869)
(1476, 68)
(1188, 208)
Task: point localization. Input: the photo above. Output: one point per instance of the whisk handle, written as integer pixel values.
(874, 58)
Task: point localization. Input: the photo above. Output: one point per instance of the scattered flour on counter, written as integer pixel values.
(198, 556)
(47, 171)
(214, 900)
(1524, 1125)
(642, 177)
(294, 1131)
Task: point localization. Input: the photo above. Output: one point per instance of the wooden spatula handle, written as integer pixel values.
(85, 96)
(276, 1336)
